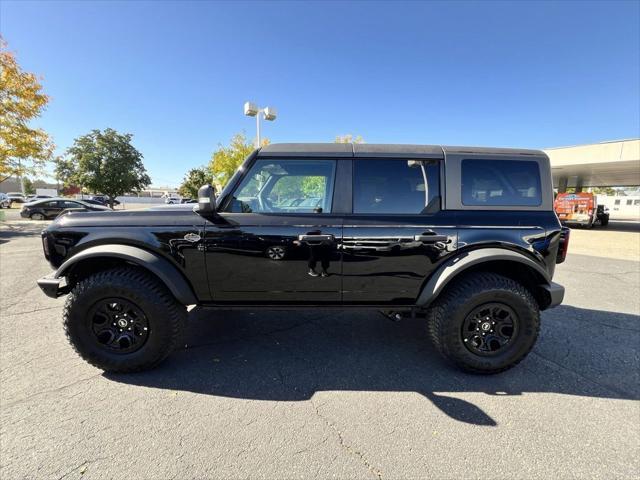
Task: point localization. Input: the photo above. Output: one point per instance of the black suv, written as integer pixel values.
(465, 237)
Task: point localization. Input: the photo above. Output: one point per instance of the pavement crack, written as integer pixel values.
(351, 450)
(82, 467)
(614, 390)
(55, 390)
(31, 311)
(617, 328)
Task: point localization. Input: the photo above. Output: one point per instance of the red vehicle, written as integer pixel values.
(580, 209)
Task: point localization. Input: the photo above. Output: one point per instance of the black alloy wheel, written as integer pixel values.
(118, 325)
(489, 328)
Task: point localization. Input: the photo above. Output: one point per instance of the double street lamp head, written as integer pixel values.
(251, 110)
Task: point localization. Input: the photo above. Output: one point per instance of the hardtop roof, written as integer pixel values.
(382, 150)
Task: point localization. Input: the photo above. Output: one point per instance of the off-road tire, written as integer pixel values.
(165, 315)
(446, 316)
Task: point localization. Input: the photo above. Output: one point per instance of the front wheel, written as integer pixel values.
(123, 320)
(484, 323)
(36, 216)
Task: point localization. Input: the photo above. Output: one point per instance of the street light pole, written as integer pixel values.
(258, 130)
(252, 110)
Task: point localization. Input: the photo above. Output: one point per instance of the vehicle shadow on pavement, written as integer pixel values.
(10, 232)
(288, 356)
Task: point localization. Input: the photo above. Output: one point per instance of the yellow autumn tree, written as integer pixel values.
(348, 139)
(226, 160)
(22, 149)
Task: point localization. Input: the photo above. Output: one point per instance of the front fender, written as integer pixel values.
(454, 266)
(161, 267)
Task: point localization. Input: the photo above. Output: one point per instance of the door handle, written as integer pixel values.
(316, 238)
(430, 238)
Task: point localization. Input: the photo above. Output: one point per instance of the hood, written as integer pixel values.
(129, 218)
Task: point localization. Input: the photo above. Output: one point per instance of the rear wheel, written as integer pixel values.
(484, 323)
(123, 320)
(276, 252)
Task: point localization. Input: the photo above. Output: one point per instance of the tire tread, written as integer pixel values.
(459, 293)
(134, 279)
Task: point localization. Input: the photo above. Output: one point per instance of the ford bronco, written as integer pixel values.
(465, 238)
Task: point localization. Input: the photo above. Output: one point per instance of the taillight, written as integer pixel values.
(563, 248)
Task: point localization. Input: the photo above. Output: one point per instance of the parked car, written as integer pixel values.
(16, 197)
(188, 200)
(465, 238)
(93, 202)
(5, 202)
(172, 200)
(33, 197)
(50, 208)
(102, 199)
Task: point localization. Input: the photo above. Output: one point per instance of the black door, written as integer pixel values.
(397, 234)
(51, 209)
(277, 240)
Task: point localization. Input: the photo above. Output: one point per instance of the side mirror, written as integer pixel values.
(206, 199)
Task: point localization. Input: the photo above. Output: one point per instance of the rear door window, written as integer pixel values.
(511, 183)
(68, 204)
(393, 186)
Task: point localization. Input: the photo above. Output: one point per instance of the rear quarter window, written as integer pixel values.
(509, 183)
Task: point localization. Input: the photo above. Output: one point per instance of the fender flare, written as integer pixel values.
(159, 266)
(451, 268)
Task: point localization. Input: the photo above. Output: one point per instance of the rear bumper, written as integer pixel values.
(51, 286)
(555, 294)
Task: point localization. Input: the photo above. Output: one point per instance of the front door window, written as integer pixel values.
(286, 186)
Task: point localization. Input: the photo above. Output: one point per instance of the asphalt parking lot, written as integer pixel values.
(327, 394)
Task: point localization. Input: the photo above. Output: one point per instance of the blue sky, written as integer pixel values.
(176, 74)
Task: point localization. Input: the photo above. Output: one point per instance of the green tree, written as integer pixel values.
(22, 149)
(193, 180)
(28, 186)
(226, 160)
(64, 170)
(603, 191)
(348, 139)
(104, 162)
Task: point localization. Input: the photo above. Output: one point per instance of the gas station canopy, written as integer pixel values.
(606, 164)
